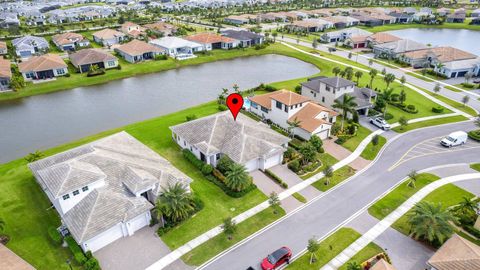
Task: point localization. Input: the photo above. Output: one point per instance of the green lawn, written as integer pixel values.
(448, 195)
(352, 143)
(399, 195)
(338, 176)
(220, 242)
(299, 197)
(326, 159)
(366, 253)
(371, 151)
(329, 248)
(429, 123)
(451, 102)
(391, 27)
(475, 166)
(419, 76)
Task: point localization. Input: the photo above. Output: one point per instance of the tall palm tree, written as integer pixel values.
(295, 123)
(347, 104)
(336, 70)
(358, 75)
(430, 222)
(175, 203)
(237, 178)
(467, 206)
(373, 73)
(389, 78)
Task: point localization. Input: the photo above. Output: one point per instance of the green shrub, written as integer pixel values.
(119, 67)
(275, 178)
(474, 135)
(224, 164)
(468, 85)
(410, 109)
(191, 117)
(161, 57)
(207, 169)
(437, 109)
(222, 108)
(294, 165)
(76, 250)
(473, 231)
(388, 116)
(67, 75)
(55, 236)
(193, 159)
(92, 264)
(227, 190)
(340, 140)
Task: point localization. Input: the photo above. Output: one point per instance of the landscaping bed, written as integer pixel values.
(429, 123)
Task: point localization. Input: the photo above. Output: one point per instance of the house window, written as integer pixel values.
(278, 104)
(29, 75)
(66, 197)
(76, 192)
(264, 109)
(327, 88)
(184, 143)
(286, 109)
(217, 156)
(60, 71)
(111, 63)
(254, 105)
(85, 188)
(323, 99)
(315, 95)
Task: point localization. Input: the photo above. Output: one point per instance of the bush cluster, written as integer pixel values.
(76, 250)
(227, 190)
(55, 236)
(294, 165)
(474, 135)
(406, 108)
(275, 178)
(206, 169)
(437, 109)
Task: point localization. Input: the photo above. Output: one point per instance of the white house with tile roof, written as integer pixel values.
(246, 141)
(105, 190)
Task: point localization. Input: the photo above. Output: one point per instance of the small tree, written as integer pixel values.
(412, 178)
(336, 70)
(34, 156)
(315, 43)
(308, 152)
(375, 140)
(354, 266)
(468, 77)
(328, 173)
(384, 71)
(316, 142)
(465, 100)
(477, 121)
(370, 62)
(403, 80)
(274, 201)
(358, 75)
(373, 73)
(312, 247)
(437, 88)
(350, 55)
(403, 122)
(402, 97)
(229, 227)
(389, 78)
(295, 123)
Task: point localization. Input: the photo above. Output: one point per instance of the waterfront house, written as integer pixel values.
(84, 59)
(380, 38)
(3, 48)
(392, 50)
(161, 28)
(456, 18)
(28, 46)
(402, 17)
(342, 35)
(245, 38)
(475, 21)
(108, 37)
(309, 25)
(366, 20)
(435, 56)
(137, 51)
(43, 67)
(340, 22)
(443, 11)
(356, 42)
(132, 29)
(105, 190)
(213, 41)
(246, 141)
(283, 106)
(426, 10)
(386, 19)
(325, 91)
(177, 47)
(410, 10)
(456, 253)
(69, 41)
(475, 13)
(236, 19)
(455, 69)
(5, 74)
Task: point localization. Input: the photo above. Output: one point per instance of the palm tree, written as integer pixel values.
(237, 178)
(175, 203)
(437, 88)
(229, 227)
(349, 73)
(439, 67)
(292, 125)
(358, 75)
(373, 73)
(430, 222)
(403, 122)
(403, 80)
(389, 78)
(354, 266)
(467, 206)
(336, 70)
(412, 178)
(312, 247)
(346, 104)
(328, 173)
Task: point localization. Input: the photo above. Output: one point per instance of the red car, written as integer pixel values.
(277, 258)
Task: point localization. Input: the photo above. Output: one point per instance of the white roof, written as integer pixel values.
(174, 42)
(462, 64)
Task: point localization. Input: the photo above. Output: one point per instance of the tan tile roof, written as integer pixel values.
(41, 63)
(307, 116)
(160, 26)
(66, 38)
(107, 33)
(133, 32)
(206, 38)
(457, 253)
(382, 265)
(90, 56)
(443, 54)
(11, 261)
(5, 70)
(137, 47)
(380, 38)
(3, 45)
(357, 39)
(284, 96)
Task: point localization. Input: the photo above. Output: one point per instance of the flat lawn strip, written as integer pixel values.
(366, 253)
(27, 220)
(399, 195)
(455, 104)
(338, 176)
(448, 195)
(390, 27)
(299, 197)
(419, 76)
(326, 160)
(475, 86)
(219, 243)
(429, 123)
(371, 151)
(451, 88)
(290, 84)
(475, 166)
(352, 143)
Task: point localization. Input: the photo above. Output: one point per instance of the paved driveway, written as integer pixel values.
(339, 152)
(136, 252)
(292, 179)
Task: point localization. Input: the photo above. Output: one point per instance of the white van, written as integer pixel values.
(454, 139)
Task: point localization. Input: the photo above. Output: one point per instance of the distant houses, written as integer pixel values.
(309, 25)
(43, 67)
(137, 51)
(84, 59)
(245, 38)
(213, 41)
(28, 46)
(132, 29)
(70, 41)
(108, 37)
(5, 74)
(3, 48)
(161, 28)
(177, 47)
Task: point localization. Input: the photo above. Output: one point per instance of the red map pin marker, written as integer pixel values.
(235, 104)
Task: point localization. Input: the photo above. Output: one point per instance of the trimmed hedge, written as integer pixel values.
(206, 169)
(76, 250)
(472, 230)
(55, 236)
(474, 135)
(275, 178)
(438, 109)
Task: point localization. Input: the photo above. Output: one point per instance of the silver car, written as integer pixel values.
(380, 122)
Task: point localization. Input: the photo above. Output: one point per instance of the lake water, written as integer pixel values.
(44, 121)
(467, 40)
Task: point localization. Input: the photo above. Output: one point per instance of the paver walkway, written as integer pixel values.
(292, 179)
(339, 152)
(384, 224)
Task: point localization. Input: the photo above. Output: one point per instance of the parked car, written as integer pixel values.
(277, 258)
(380, 122)
(454, 139)
(477, 81)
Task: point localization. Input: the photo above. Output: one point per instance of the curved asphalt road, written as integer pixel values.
(323, 215)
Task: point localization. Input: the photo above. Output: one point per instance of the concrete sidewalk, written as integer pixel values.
(384, 224)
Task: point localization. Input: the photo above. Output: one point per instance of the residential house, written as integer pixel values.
(459, 68)
(43, 67)
(382, 265)
(456, 253)
(380, 38)
(3, 48)
(475, 13)
(435, 56)
(444, 11)
(340, 22)
(309, 25)
(137, 51)
(386, 19)
(108, 37)
(326, 90)
(161, 28)
(28, 46)
(342, 35)
(392, 50)
(5, 74)
(283, 106)
(132, 29)
(69, 41)
(475, 21)
(421, 16)
(9, 19)
(402, 17)
(105, 190)
(366, 19)
(456, 18)
(246, 141)
(426, 10)
(409, 10)
(356, 42)
(236, 19)
(245, 38)
(84, 59)
(177, 47)
(213, 41)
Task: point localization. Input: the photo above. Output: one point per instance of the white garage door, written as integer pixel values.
(138, 222)
(323, 134)
(272, 161)
(104, 238)
(251, 165)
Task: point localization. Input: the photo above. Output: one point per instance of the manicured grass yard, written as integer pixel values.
(391, 27)
(371, 151)
(220, 242)
(399, 195)
(338, 176)
(352, 143)
(453, 103)
(429, 123)
(475, 166)
(366, 253)
(326, 159)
